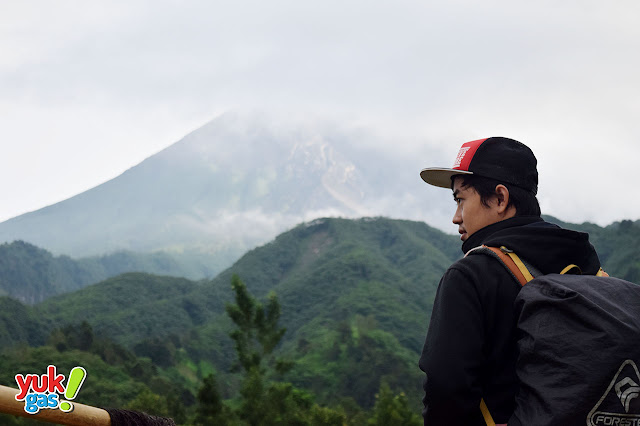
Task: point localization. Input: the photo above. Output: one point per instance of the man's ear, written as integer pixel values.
(502, 195)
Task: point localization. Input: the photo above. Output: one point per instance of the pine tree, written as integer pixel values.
(258, 333)
(210, 408)
(264, 401)
(256, 336)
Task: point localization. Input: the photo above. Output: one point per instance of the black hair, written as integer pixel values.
(525, 202)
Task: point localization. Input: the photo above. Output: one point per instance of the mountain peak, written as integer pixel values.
(235, 182)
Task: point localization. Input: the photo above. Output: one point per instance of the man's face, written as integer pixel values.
(471, 215)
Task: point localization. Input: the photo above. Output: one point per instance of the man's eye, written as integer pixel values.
(456, 200)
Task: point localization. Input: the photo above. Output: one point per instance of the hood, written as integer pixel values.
(546, 246)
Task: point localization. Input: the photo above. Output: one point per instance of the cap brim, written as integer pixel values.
(441, 177)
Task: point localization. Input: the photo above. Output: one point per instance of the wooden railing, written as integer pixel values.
(81, 415)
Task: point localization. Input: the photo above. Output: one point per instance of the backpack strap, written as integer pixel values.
(509, 259)
(486, 414)
(571, 267)
(520, 272)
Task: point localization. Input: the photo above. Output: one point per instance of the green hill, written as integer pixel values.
(356, 296)
(31, 274)
(127, 308)
(333, 269)
(20, 324)
(373, 277)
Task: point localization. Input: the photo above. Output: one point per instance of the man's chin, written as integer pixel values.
(464, 237)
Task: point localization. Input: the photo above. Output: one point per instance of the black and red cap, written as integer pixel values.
(498, 158)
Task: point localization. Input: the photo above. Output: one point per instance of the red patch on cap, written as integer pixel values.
(466, 153)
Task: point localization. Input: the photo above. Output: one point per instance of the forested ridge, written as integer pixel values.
(354, 297)
(32, 274)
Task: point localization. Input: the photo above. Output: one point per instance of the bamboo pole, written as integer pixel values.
(80, 416)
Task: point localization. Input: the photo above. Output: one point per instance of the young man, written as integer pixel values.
(471, 350)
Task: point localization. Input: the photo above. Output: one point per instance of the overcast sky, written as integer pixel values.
(89, 88)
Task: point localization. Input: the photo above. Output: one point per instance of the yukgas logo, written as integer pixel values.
(41, 391)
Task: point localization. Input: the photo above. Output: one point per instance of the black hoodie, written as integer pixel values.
(470, 351)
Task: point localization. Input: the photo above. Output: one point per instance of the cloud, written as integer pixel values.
(113, 82)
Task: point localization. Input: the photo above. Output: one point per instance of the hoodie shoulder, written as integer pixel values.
(548, 247)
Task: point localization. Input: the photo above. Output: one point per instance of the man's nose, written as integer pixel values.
(457, 217)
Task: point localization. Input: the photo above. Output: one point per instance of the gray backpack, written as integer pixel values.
(579, 343)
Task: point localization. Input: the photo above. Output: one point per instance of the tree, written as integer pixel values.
(78, 336)
(210, 409)
(392, 410)
(258, 333)
(263, 401)
(256, 336)
(149, 402)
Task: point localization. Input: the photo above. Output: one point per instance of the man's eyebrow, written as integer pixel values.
(455, 193)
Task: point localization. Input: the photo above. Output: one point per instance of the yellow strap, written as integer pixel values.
(486, 414)
(570, 267)
(602, 273)
(520, 265)
(508, 262)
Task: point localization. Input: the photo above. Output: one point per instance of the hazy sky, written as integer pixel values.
(89, 89)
